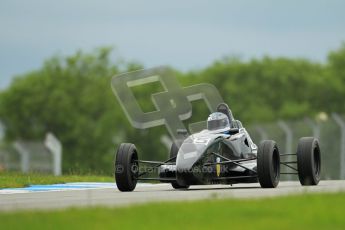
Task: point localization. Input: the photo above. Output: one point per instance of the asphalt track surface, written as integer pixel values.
(106, 194)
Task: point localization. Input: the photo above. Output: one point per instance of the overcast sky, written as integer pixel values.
(184, 34)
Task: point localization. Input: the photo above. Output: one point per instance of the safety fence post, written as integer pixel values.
(24, 156)
(262, 132)
(341, 123)
(55, 147)
(288, 140)
(314, 126)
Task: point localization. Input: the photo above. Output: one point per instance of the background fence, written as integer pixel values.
(33, 156)
(45, 156)
(329, 130)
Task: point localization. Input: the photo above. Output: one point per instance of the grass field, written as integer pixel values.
(15, 180)
(326, 211)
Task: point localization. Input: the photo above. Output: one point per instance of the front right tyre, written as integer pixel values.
(268, 164)
(308, 161)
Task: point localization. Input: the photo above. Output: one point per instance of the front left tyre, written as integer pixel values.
(126, 167)
(173, 153)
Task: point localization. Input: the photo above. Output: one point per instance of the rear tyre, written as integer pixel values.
(308, 161)
(126, 167)
(268, 164)
(173, 153)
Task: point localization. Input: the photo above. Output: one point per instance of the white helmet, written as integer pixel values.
(218, 121)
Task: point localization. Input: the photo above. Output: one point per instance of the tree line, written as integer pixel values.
(71, 97)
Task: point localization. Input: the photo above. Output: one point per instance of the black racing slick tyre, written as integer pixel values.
(308, 161)
(268, 164)
(126, 167)
(173, 153)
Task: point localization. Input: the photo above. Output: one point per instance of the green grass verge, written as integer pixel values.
(16, 180)
(322, 211)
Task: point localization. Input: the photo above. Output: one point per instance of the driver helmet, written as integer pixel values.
(218, 121)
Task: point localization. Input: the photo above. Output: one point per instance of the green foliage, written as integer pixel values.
(268, 89)
(71, 97)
